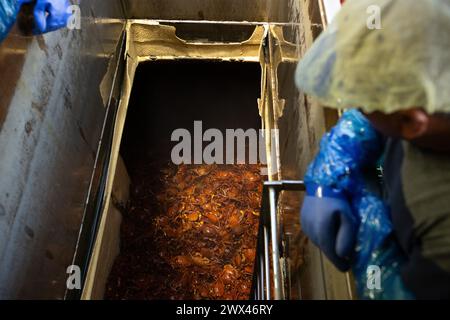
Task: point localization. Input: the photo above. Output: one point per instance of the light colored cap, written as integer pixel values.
(404, 64)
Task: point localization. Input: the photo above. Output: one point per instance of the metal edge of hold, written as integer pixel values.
(278, 105)
(94, 197)
(281, 51)
(118, 126)
(155, 41)
(323, 15)
(267, 108)
(207, 22)
(277, 50)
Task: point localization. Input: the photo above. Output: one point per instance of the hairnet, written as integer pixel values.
(404, 64)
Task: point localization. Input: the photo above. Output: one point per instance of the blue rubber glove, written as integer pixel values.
(8, 15)
(327, 219)
(50, 15)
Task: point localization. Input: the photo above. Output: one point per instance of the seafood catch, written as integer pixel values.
(189, 232)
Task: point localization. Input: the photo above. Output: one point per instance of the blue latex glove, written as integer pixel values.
(8, 15)
(327, 219)
(50, 15)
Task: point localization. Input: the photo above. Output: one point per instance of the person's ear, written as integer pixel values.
(414, 123)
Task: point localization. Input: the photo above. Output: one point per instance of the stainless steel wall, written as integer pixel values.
(217, 10)
(51, 116)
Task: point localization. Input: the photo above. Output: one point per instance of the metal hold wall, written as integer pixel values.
(51, 116)
(213, 10)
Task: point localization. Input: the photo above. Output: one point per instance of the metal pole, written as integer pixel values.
(266, 261)
(275, 246)
(261, 274)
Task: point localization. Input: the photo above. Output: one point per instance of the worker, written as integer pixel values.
(49, 15)
(395, 79)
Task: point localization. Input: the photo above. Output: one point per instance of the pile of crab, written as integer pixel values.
(189, 232)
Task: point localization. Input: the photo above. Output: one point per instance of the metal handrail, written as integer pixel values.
(269, 231)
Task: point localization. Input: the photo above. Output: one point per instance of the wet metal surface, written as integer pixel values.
(51, 114)
(213, 10)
